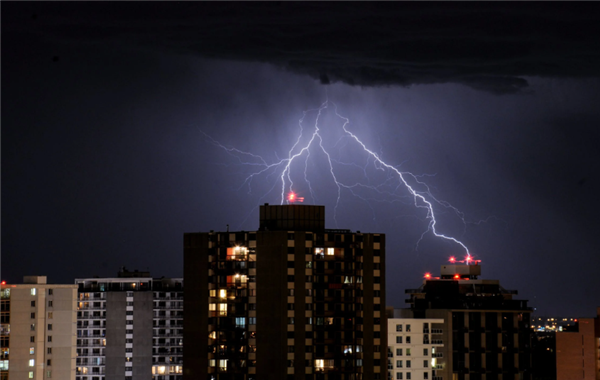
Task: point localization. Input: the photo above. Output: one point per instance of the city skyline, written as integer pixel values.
(106, 163)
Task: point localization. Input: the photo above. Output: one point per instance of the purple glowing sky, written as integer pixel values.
(105, 162)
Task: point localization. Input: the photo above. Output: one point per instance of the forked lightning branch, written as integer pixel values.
(320, 140)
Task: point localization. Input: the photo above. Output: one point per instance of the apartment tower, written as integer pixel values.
(292, 300)
(486, 334)
(37, 333)
(129, 327)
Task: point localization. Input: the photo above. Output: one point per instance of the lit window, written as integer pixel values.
(223, 364)
(33, 291)
(31, 374)
(222, 309)
(212, 307)
(223, 293)
(213, 293)
(31, 362)
(330, 251)
(31, 350)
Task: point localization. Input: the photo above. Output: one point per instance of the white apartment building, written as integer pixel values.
(37, 331)
(415, 348)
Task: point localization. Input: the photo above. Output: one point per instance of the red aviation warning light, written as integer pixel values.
(457, 276)
(3, 282)
(452, 259)
(427, 276)
(293, 198)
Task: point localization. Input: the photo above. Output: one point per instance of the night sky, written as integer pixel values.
(107, 109)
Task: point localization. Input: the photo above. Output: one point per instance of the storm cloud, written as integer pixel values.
(488, 46)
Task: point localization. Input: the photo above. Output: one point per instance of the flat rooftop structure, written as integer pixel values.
(292, 218)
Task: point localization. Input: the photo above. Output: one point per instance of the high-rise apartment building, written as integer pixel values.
(37, 331)
(415, 347)
(292, 300)
(487, 333)
(130, 327)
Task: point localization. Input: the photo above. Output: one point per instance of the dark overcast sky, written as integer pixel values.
(105, 105)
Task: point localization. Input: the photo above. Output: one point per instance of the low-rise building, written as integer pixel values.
(578, 350)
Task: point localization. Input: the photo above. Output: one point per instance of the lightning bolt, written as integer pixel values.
(312, 140)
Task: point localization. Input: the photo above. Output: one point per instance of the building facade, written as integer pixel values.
(129, 327)
(487, 334)
(292, 300)
(578, 350)
(415, 347)
(37, 331)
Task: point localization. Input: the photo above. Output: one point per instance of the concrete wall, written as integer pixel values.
(195, 305)
(115, 335)
(142, 335)
(271, 305)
